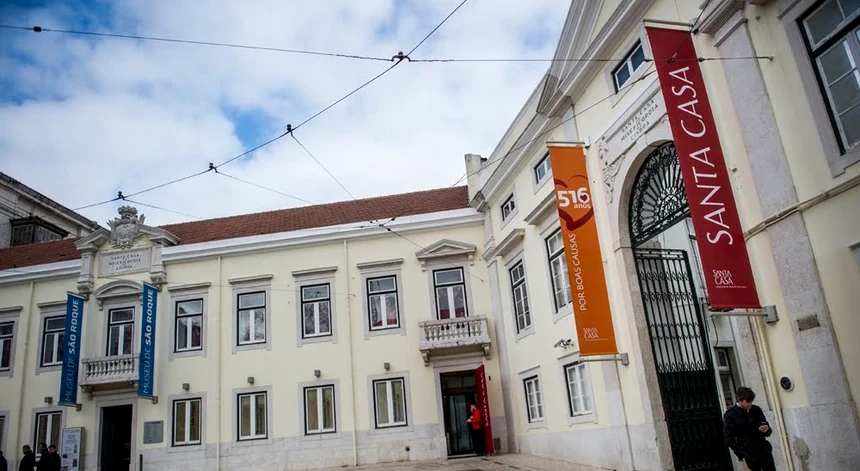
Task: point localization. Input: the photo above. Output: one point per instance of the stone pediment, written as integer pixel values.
(446, 248)
(117, 289)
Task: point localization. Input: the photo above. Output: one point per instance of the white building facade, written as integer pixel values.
(792, 163)
(279, 343)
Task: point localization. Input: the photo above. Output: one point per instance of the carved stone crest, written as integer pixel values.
(125, 230)
(609, 169)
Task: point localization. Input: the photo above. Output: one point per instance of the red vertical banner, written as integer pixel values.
(484, 407)
(589, 294)
(719, 235)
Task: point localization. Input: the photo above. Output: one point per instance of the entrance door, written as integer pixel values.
(116, 438)
(458, 393)
(679, 343)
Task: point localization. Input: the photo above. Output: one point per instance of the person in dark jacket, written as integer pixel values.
(746, 430)
(55, 463)
(44, 462)
(28, 462)
(4, 465)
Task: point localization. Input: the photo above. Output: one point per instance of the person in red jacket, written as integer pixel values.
(477, 430)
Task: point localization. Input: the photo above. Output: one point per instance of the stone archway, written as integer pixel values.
(673, 315)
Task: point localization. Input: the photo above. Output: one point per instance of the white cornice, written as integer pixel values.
(717, 14)
(513, 240)
(7, 310)
(312, 272)
(52, 305)
(541, 210)
(46, 271)
(266, 242)
(251, 279)
(190, 287)
(379, 264)
(191, 252)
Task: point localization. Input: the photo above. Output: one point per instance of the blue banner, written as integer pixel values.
(71, 350)
(146, 364)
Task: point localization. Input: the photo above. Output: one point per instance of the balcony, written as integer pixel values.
(451, 336)
(108, 373)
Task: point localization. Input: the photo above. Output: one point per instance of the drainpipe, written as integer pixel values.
(351, 355)
(24, 372)
(772, 395)
(218, 373)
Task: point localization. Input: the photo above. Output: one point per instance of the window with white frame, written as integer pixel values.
(727, 375)
(252, 416)
(189, 325)
(382, 302)
(631, 63)
(542, 169)
(450, 288)
(534, 400)
(389, 398)
(316, 310)
(252, 318)
(508, 207)
(319, 410)
(48, 428)
(522, 315)
(832, 32)
(186, 421)
(120, 331)
(558, 270)
(578, 389)
(53, 332)
(7, 329)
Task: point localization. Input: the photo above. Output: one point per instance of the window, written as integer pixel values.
(52, 340)
(382, 303)
(542, 169)
(558, 270)
(120, 331)
(30, 230)
(186, 422)
(727, 375)
(2, 431)
(578, 389)
(316, 311)
(629, 66)
(252, 318)
(534, 402)
(6, 332)
(189, 325)
(522, 315)
(252, 416)
(48, 428)
(450, 288)
(319, 410)
(389, 397)
(508, 207)
(832, 32)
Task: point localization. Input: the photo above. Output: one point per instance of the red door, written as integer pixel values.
(484, 407)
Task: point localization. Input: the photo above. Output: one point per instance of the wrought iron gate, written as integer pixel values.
(685, 371)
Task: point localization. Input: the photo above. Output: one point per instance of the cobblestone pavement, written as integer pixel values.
(507, 462)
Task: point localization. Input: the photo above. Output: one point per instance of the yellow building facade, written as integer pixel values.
(295, 339)
(770, 69)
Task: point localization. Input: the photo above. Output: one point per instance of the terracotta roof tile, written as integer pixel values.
(270, 222)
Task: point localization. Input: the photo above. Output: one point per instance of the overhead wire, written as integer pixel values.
(162, 209)
(322, 166)
(40, 29)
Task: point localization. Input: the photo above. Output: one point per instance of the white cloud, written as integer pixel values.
(101, 115)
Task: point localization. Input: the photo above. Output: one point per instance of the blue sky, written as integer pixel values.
(81, 117)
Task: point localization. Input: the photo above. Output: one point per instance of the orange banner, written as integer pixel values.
(588, 291)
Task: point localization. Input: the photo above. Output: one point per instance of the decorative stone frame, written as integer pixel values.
(244, 285)
(338, 433)
(119, 294)
(126, 399)
(11, 314)
(448, 254)
(34, 423)
(47, 310)
(529, 373)
(624, 51)
(512, 251)
(269, 440)
(564, 362)
(537, 185)
(789, 12)
(190, 292)
(316, 276)
(505, 221)
(169, 445)
(371, 402)
(381, 269)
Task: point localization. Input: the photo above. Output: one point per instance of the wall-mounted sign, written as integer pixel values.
(70, 449)
(71, 350)
(127, 261)
(146, 364)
